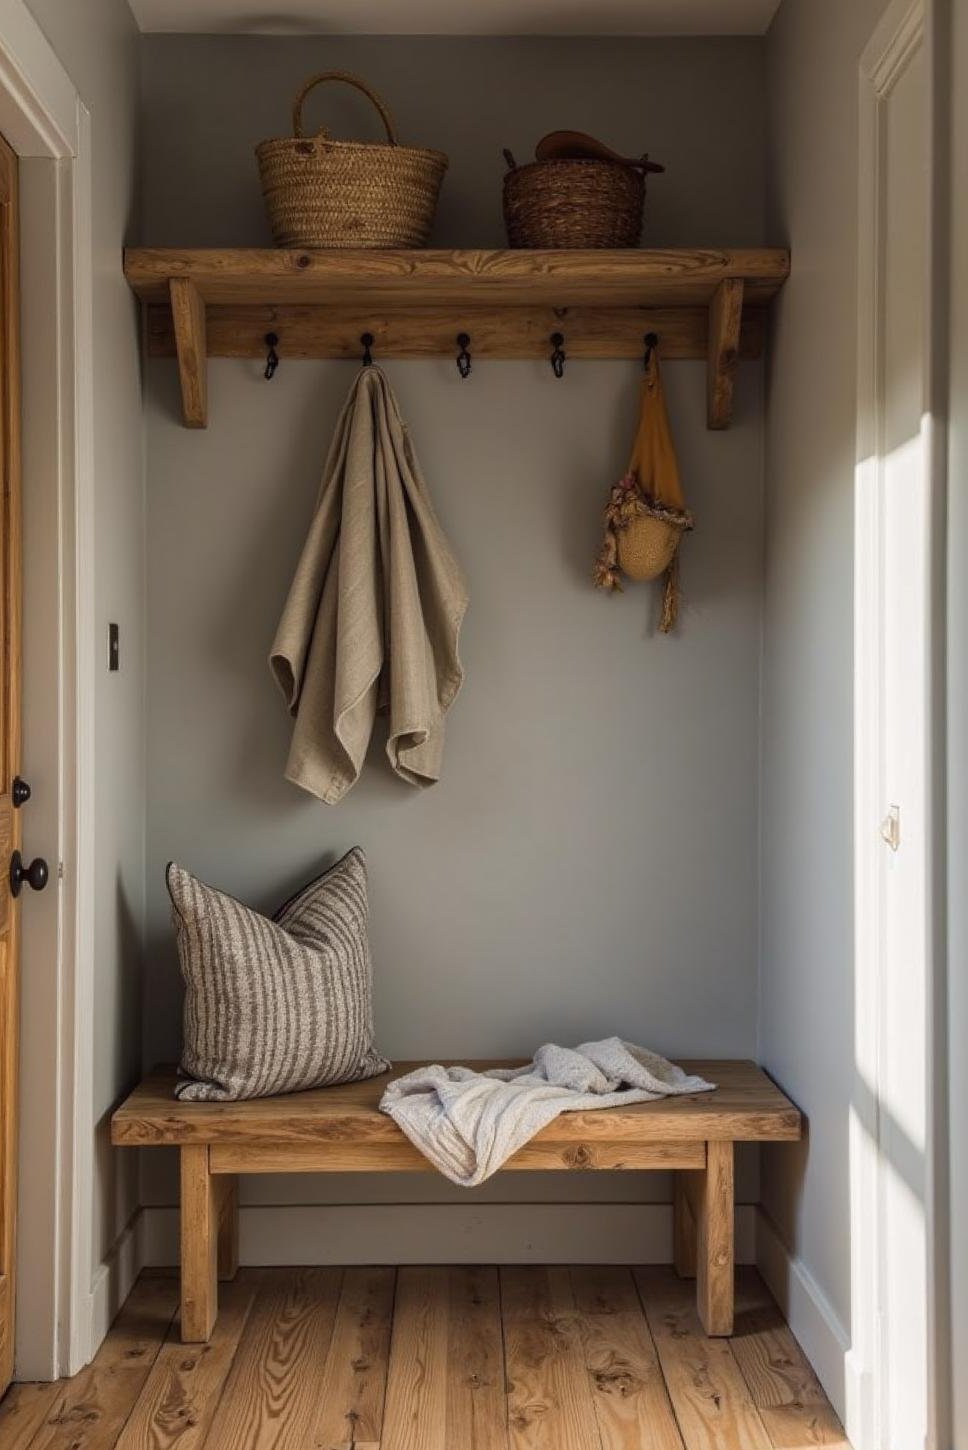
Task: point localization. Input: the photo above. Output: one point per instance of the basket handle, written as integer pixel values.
(350, 80)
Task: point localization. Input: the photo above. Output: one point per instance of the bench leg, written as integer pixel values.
(683, 1228)
(199, 1245)
(228, 1225)
(713, 1209)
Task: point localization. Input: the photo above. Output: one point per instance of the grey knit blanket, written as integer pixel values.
(470, 1123)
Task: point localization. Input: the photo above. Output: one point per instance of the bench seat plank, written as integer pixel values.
(403, 1157)
(746, 1107)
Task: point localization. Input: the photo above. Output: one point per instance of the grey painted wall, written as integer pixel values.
(806, 973)
(695, 105)
(588, 863)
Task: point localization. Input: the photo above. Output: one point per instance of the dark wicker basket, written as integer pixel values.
(573, 203)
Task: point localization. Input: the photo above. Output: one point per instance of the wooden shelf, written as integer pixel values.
(702, 303)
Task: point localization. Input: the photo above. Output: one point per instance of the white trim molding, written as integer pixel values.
(900, 31)
(818, 1329)
(114, 1279)
(44, 120)
(78, 768)
(38, 101)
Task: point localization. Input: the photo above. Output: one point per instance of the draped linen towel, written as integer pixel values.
(470, 1123)
(374, 612)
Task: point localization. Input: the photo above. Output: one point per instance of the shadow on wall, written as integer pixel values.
(598, 782)
(115, 1178)
(694, 104)
(573, 832)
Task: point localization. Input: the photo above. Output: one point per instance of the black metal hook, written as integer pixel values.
(651, 341)
(272, 357)
(367, 340)
(463, 356)
(558, 354)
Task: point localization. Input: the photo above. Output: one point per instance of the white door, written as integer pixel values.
(906, 518)
(894, 728)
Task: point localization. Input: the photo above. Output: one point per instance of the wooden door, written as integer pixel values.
(10, 583)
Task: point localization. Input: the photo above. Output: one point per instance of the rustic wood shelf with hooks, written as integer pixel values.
(222, 303)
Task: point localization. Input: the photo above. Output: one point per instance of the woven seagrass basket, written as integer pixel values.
(573, 203)
(647, 547)
(325, 193)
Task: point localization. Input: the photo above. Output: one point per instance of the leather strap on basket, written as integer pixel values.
(350, 80)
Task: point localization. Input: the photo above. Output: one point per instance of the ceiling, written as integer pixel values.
(445, 17)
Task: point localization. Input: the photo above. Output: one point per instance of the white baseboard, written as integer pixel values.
(113, 1281)
(824, 1339)
(433, 1233)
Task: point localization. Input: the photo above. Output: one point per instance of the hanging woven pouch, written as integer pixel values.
(648, 541)
(321, 192)
(646, 514)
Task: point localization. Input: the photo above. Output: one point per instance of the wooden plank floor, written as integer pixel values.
(436, 1359)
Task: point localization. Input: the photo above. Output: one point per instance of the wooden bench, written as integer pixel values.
(341, 1130)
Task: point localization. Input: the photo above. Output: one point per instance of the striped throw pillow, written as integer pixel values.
(274, 1006)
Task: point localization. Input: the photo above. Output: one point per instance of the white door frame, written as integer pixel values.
(47, 125)
(905, 26)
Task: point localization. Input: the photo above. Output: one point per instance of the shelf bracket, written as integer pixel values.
(725, 319)
(188, 320)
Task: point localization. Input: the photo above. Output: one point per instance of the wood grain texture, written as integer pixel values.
(636, 277)
(90, 1411)
(446, 1379)
(199, 1245)
(188, 327)
(714, 1212)
(710, 1397)
(782, 1384)
(301, 1359)
(403, 1157)
(425, 332)
(341, 1129)
(271, 1397)
(23, 1410)
(746, 1107)
(550, 1397)
(10, 738)
(476, 1404)
(416, 302)
(178, 1403)
(415, 1417)
(725, 326)
(354, 1377)
(632, 1404)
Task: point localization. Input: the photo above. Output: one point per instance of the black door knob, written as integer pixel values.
(36, 874)
(20, 791)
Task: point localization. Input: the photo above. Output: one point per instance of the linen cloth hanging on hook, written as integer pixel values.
(374, 612)
(646, 514)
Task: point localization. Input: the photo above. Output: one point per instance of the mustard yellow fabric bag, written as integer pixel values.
(646, 514)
